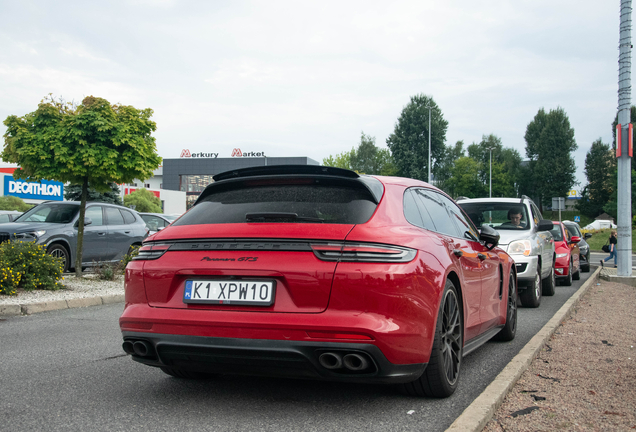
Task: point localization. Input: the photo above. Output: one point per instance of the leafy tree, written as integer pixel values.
(144, 201)
(505, 165)
(600, 169)
(409, 141)
(549, 145)
(342, 160)
(465, 180)
(73, 192)
(445, 166)
(366, 159)
(9, 202)
(94, 142)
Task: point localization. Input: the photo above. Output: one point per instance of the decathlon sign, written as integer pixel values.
(45, 190)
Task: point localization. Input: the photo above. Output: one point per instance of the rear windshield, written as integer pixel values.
(283, 203)
(501, 216)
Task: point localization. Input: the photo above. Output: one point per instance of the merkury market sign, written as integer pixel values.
(235, 153)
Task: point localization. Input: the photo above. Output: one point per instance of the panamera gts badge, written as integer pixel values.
(230, 259)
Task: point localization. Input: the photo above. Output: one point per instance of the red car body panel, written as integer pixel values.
(562, 264)
(392, 306)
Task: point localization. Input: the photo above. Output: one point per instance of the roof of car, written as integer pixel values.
(504, 200)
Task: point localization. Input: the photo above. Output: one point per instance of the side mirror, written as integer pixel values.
(545, 225)
(489, 236)
(587, 236)
(575, 239)
(87, 221)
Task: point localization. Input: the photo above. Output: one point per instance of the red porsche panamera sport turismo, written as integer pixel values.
(318, 272)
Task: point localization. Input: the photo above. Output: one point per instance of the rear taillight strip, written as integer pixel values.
(151, 251)
(362, 252)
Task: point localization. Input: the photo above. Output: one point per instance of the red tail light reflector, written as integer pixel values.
(329, 335)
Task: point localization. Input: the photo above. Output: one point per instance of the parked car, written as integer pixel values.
(9, 215)
(526, 237)
(567, 265)
(157, 221)
(575, 230)
(318, 272)
(109, 231)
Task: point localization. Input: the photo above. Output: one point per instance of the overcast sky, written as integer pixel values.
(305, 78)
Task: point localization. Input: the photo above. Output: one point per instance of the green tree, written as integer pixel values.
(446, 164)
(366, 159)
(342, 160)
(144, 201)
(409, 141)
(549, 145)
(600, 169)
(94, 142)
(9, 202)
(73, 192)
(465, 180)
(505, 165)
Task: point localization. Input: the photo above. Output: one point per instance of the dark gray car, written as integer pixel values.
(109, 231)
(575, 230)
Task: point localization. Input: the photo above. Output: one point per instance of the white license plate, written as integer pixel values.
(230, 292)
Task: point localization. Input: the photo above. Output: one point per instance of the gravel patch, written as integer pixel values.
(584, 379)
(72, 288)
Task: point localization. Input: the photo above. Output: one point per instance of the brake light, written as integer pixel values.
(152, 251)
(362, 252)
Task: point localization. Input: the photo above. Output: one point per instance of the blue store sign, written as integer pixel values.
(45, 190)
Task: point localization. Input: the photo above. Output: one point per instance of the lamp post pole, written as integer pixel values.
(490, 149)
(429, 142)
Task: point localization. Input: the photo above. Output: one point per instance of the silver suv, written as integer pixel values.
(109, 231)
(525, 236)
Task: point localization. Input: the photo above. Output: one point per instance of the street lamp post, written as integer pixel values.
(490, 148)
(429, 142)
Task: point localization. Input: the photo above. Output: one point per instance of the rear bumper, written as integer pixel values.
(278, 358)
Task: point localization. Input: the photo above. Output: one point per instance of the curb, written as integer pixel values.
(478, 414)
(31, 308)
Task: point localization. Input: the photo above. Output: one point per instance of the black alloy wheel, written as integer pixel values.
(508, 332)
(59, 251)
(441, 376)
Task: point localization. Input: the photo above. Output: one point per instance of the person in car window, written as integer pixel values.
(612, 244)
(515, 215)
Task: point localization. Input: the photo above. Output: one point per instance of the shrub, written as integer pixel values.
(106, 271)
(134, 251)
(27, 265)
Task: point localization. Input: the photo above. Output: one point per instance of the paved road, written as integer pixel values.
(595, 257)
(65, 370)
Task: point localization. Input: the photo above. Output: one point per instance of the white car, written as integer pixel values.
(526, 237)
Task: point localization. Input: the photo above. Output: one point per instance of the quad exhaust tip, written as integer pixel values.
(139, 348)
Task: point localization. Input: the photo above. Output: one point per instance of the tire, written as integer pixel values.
(568, 280)
(185, 374)
(549, 283)
(577, 275)
(508, 332)
(586, 267)
(59, 251)
(531, 296)
(441, 375)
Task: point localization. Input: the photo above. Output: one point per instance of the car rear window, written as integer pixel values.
(557, 233)
(285, 203)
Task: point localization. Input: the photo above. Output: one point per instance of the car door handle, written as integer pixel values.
(481, 256)
(101, 233)
(458, 252)
(126, 232)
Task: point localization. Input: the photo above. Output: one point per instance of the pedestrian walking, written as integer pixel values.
(612, 249)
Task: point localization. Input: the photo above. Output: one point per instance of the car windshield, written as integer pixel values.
(283, 203)
(170, 217)
(501, 216)
(557, 233)
(572, 230)
(50, 213)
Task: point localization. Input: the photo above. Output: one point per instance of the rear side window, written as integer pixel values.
(129, 218)
(113, 216)
(266, 201)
